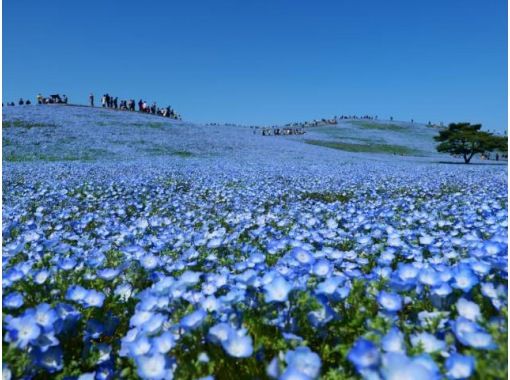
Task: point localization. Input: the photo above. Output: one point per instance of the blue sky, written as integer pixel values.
(265, 62)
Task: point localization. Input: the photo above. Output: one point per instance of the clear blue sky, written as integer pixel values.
(267, 61)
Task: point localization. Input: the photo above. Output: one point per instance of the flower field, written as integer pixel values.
(268, 259)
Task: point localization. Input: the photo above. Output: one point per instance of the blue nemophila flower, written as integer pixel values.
(23, 330)
(459, 366)
(428, 342)
(76, 293)
(41, 276)
(50, 359)
(364, 355)
(193, 320)
(219, 332)
(94, 329)
(397, 366)
(238, 344)
(13, 300)
(302, 256)
(164, 343)
(393, 341)
(304, 361)
(330, 285)
(6, 372)
(153, 367)
(464, 279)
(93, 299)
(154, 324)
(149, 261)
(429, 277)
(45, 316)
(124, 291)
(277, 290)
(321, 268)
(468, 309)
(471, 334)
(108, 274)
(390, 302)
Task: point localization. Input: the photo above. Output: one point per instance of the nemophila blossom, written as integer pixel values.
(304, 361)
(277, 290)
(390, 302)
(428, 342)
(442, 290)
(464, 279)
(393, 341)
(302, 256)
(190, 278)
(272, 369)
(219, 332)
(140, 345)
(397, 366)
(45, 316)
(41, 276)
(108, 274)
(321, 268)
(193, 320)
(22, 330)
(163, 343)
(76, 293)
(238, 344)
(154, 324)
(6, 372)
(123, 291)
(94, 329)
(50, 359)
(429, 277)
(329, 286)
(153, 367)
(407, 272)
(364, 354)
(93, 298)
(13, 300)
(468, 309)
(149, 261)
(459, 366)
(67, 263)
(471, 334)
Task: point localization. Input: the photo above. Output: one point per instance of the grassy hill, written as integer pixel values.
(68, 133)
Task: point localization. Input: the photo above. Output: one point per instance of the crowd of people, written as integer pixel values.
(109, 101)
(21, 102)
(52, 99)
(279, 131)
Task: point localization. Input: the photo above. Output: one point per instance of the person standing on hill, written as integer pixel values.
(91, 99)
(140, 105)
(103, 101)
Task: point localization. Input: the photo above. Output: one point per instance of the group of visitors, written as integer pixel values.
(52, 99)
(278, 131)
(21, 102)
(109, 101)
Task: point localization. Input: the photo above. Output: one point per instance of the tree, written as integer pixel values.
(467, 139)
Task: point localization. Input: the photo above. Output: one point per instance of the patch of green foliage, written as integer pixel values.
(26, 124)
(367, 148)
(380, 126)
(327, 197)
